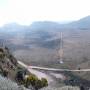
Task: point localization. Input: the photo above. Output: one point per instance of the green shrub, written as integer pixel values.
(44, 82)
(31, 79)
(2, 56)
(35, 82)
(38, 84)
(41, 83)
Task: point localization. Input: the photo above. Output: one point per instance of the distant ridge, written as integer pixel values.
(83, 23)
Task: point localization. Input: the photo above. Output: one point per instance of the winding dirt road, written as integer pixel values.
(39, 74)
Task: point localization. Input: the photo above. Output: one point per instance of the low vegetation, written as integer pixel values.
(35, 82)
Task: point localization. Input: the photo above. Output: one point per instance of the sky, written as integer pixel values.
(27, 11)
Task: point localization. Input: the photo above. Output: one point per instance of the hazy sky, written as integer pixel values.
(27, 11)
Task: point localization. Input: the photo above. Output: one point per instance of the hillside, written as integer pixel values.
(39, 43)
(10, 68)
(8, 63)
(7, 84)
(83, 23)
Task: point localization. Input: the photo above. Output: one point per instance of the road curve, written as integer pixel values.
(54, 69)
(37, 73)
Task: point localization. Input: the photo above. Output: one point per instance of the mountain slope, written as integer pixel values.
(47, 25)
(82, 23)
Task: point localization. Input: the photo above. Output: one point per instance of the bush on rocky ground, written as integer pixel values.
(35, 82)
